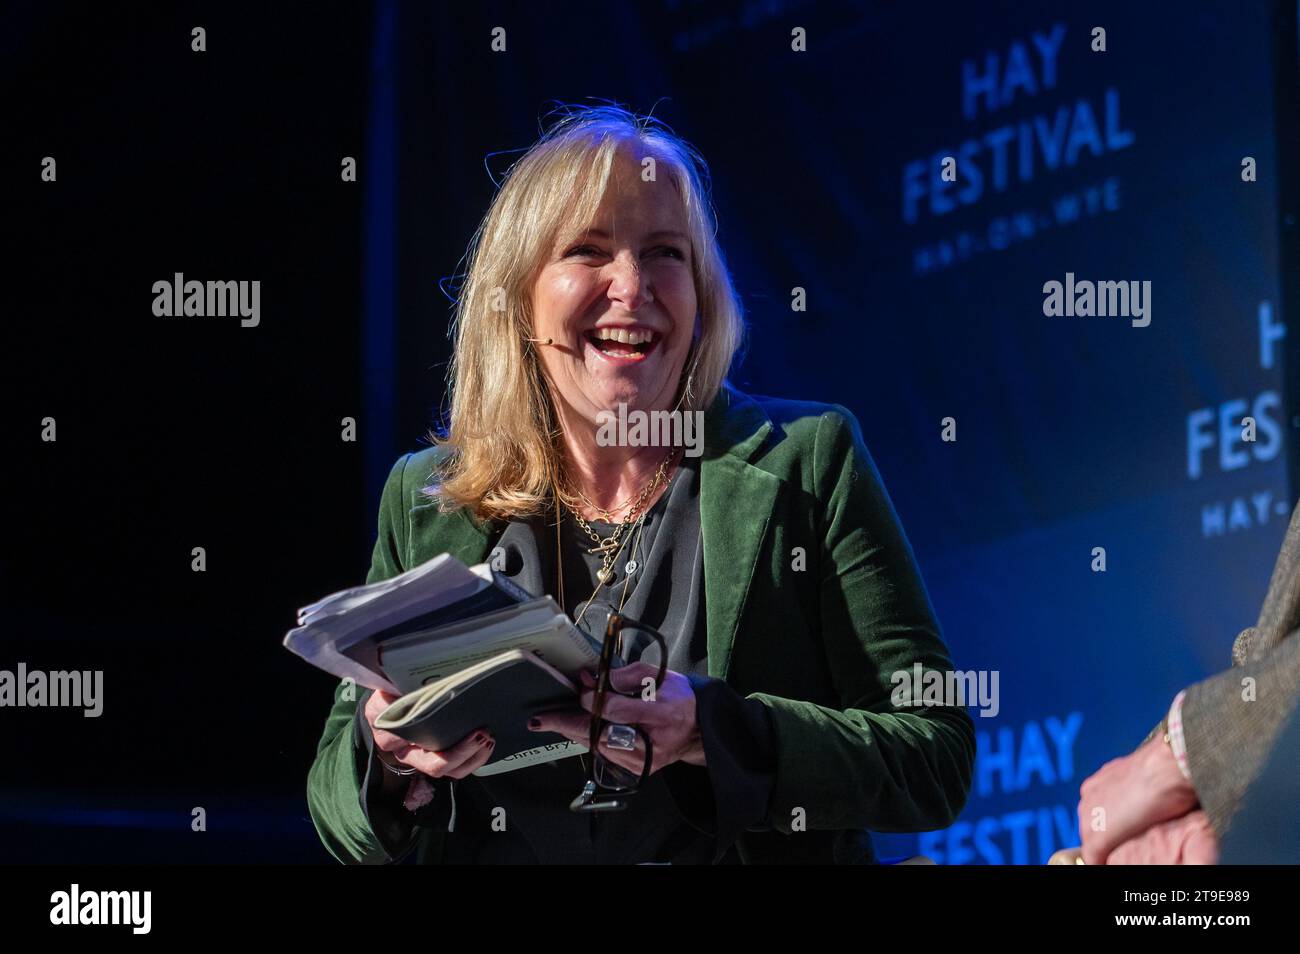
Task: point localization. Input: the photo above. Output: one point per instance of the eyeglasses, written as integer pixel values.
(608, 785)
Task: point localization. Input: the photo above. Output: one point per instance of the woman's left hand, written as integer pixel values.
(666, 715)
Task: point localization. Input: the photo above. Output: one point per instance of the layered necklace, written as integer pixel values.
(608, 547)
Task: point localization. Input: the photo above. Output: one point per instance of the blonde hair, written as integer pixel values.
(503, 433)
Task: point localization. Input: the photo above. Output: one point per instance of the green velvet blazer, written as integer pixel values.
(813, 601)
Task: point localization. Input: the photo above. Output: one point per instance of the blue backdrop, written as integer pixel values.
(924, 300)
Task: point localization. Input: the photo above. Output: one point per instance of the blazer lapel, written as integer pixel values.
(737, 504)
(457, 533)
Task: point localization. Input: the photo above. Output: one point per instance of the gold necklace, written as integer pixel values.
(607, 514)
(559, 574)
(611, 546)
(600, 581)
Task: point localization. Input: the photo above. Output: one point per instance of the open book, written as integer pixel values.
(463, 648)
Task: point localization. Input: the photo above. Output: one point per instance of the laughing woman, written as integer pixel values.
(772, 563)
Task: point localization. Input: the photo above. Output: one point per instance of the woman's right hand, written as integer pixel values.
(467, 755)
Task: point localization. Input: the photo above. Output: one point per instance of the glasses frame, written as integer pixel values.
(595, 796)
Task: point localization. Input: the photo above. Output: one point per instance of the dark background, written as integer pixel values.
(224, 165)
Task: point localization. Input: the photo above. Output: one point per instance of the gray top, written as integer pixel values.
(684, 813)
(658, 575)
(665, 591)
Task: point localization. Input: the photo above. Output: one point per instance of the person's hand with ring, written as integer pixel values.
(666, 715)
(1129, 795)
